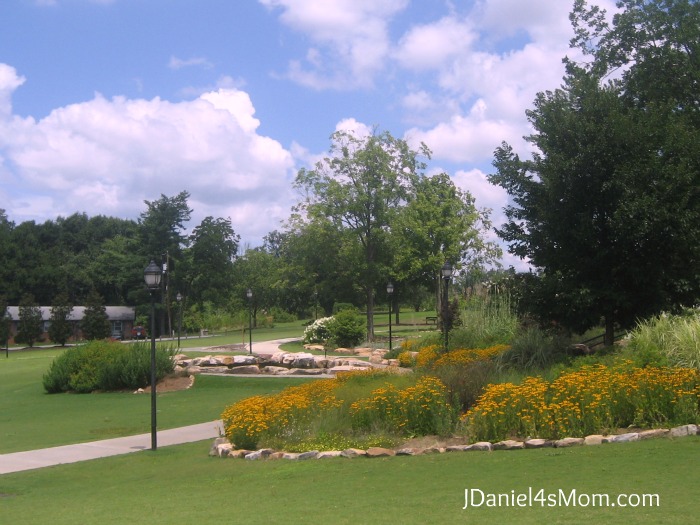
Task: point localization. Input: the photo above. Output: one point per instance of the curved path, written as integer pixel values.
(47, 457)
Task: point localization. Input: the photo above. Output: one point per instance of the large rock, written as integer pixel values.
(379, 452)
(654, 433)
(237, 360)
(458, 448)
(245, 369)
(538, 443)
(409, 451)
(275, 370)
(213, 451)
(260, 454)
(305, 371)
(481, 446)
(508, 444)
(311, 454)
(353, 453)
(568, 442)
(622, 438)
(685, 430)
(329, 454)
(593, 439)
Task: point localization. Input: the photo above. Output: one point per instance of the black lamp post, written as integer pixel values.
(446, 272)
(152, 275)
(249, 295)
(390, 291)
(178, 297)
(315, 304)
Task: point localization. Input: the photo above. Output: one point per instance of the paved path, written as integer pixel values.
(47, 457)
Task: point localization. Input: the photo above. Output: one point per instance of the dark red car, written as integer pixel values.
(138, 332)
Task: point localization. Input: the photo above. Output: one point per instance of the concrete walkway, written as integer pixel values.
(47, 457)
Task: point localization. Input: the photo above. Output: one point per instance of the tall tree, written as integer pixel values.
(95, 323)
(31, 324)
(213, 247)
(359, 188)
(439, 223)
(608, 209)
(4, 322)
(60, 328)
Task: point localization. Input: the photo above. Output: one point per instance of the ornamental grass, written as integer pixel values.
(591, 400)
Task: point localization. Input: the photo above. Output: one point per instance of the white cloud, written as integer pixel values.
(9, 81)
(351, 39)
(108, 156)
(179, 63)
(430, 46)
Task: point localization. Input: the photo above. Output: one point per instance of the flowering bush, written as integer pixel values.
(317, 332)
(593, 399)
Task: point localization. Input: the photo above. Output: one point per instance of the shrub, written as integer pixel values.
(317, 332)
(346, 328)
(104, 365)
(486, 321)
(534, 349)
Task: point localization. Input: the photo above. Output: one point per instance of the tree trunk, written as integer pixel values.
(609, 339)
(370, 315)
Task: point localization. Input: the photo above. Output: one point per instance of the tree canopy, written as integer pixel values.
(608, 210)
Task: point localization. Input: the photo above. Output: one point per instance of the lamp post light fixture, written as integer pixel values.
(315, 304)
(152, 275)
(390, 291)
(178, 298)
(446, 272)
(249, 295)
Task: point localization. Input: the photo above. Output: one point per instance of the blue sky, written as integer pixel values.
(107, 103)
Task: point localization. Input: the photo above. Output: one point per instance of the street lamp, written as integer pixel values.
(249, 295)
(152, 275)
(390, 291)
(178, 297)
(446, 272)
(315, 304)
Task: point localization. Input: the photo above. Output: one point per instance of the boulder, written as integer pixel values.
(538, 443)
(245, 369)
(457, 448)
(622, 438)
(353, 453)
(593, 439)
(318, 348)
(311, 454)
(409, 452)
(379, 452)
(568, 442)
(508, 444)
(654, 433)
(218, 441)
(305, 371)
(481, 446)
(237, 360)
(275, 370)
(291, 455)
(685, 430)
(329, 454)
(260, 454)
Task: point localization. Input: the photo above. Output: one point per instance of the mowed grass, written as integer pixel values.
(31, 419)
(183, 485)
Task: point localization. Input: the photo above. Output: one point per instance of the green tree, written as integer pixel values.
(358, 189)
(60, 328)
(213, 247)
(608, 209)
(4, 322)
(31, 324)
(95, 323)
(439, 223)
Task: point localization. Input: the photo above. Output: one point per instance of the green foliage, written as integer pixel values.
(4, 321)
(667, 339)
(105, 365)
(346, 329)
(60, 328)
(486, 321)
(533, 349)
(30, 322)
(95, 324)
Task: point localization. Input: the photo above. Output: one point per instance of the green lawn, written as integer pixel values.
(30, 418)
(182, 485)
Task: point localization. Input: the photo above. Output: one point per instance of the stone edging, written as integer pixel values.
(224, 449)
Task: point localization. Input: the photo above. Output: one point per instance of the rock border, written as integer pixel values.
(224, 449)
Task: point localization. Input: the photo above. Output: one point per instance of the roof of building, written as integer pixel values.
(114, 313)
